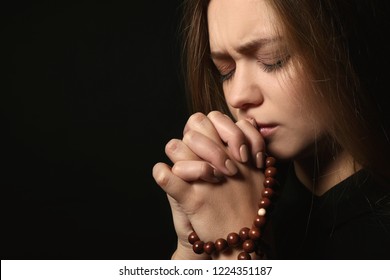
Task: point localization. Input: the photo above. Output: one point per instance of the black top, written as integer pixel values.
(350, 221)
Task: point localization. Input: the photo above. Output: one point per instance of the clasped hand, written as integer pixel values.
(215, 182)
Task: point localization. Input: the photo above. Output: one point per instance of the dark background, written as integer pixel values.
(91, 93)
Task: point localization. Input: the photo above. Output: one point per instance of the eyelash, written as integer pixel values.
(276, 66)
(227, 76)
(268, 68)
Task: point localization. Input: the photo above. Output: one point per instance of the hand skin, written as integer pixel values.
(206, 194)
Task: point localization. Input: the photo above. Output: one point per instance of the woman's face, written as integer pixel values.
(259, 80)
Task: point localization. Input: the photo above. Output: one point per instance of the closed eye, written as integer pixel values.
(280, 63)
(228, 76)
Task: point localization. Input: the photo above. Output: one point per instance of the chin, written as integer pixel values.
(283, 152)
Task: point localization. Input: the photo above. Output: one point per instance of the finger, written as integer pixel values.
(201, 123)
(196, 170)
(176, 151)
(231, 135)
(209, 151)
(170, 183)
(215, 153)
(255, 141)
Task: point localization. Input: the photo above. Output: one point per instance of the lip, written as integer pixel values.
(267, 130)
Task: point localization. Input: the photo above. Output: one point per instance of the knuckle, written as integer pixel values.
(214, 114)
(189, 136)
(196, 118)
(171, 146)
(176, 169)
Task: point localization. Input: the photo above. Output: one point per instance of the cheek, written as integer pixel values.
(293, 101)
(298, 133)
(233, 112)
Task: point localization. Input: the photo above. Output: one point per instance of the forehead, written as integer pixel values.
(234, 22)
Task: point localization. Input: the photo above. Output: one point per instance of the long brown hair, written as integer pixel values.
(340, 45)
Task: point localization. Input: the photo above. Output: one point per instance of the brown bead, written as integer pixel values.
(259, 221)
(264, 203)
(248, 246)
(254, 233)
(270, 161)
(198, 247)
(244, 233)
(267, 192)
(270, 171)
(221, 244)
(269, 182)
(244, 256)
(233, 239)
(209, 247)
(193, 237)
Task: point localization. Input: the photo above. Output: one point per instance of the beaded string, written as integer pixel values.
(248, 238)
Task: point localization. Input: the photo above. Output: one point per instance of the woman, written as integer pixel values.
(304, 82)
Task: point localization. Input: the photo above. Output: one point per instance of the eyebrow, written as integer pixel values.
(247, 47)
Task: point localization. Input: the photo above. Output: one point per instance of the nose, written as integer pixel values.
(244, 91)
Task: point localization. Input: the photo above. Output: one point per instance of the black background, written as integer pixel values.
(91, 93)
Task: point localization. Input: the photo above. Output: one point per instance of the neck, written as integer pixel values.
(321, 172)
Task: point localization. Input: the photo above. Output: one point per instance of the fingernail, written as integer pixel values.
(231, 167)
(259, 160)
(253, 122)
(217, 175)
(244, 154)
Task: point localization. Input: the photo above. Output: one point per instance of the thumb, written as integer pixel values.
(170, 183)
